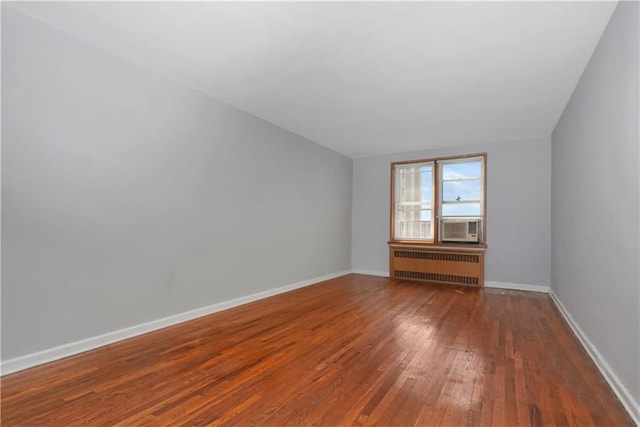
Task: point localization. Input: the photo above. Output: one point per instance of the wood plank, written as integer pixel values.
(357, 350)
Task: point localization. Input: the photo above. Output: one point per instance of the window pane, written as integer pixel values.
(414, 198)
(461, 209)
(471, 169)
(414, 222)
(426, 182)
(412, 213)
(461, 190)
(462, 187)
(414, 230)
(414, 183)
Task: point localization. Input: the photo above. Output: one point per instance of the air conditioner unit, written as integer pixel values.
(461, 230)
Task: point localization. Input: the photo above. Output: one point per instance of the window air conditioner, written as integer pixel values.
(461, 230)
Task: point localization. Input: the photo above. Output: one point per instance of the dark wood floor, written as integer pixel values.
(358, 350)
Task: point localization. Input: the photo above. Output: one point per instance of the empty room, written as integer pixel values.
(320, 213)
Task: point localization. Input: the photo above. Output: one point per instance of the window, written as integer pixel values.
(414, 201)
(461, 187)
(428, 193)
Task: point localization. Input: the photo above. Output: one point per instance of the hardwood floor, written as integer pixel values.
(357, 350)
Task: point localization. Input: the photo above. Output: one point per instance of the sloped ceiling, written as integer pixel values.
(362, 78)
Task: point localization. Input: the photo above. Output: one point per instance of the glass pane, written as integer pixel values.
(414, 198)
(414, 222)
(413, 212)
(461, 209)
(471, 169)
(414, 183)
(414, 230)
(461, 191)
(426, 182)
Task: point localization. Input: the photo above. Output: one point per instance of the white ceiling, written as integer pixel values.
(362, 78)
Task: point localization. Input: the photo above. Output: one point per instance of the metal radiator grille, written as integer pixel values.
(436, 277)
(438, 256)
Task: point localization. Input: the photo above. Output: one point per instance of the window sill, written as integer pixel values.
(438, 245)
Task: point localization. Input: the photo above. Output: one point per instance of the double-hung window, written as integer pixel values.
(414, 201)
(428, 193)
(462, 191)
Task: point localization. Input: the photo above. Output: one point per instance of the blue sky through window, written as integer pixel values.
(426, 174)
(462, 183)
(461, 191)
(462, 170)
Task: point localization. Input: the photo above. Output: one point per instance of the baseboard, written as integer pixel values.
(371, 273)
(517, 286)
(66, 350)
(632, 407)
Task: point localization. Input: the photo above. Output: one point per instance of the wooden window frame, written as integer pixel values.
(437, 204)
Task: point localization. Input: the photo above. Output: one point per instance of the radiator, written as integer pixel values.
(448, 266)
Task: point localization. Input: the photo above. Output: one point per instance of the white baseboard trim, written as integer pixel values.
(371, 273)
(517, 286)
(66, 350)
(632, 407)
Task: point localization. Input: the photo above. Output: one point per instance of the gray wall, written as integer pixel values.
(518, 209)
(595, 212)
(128, 197)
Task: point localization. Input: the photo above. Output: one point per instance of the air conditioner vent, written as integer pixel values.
(461, 230)
(455, 230)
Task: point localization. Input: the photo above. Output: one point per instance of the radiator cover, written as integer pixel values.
(449, 266)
